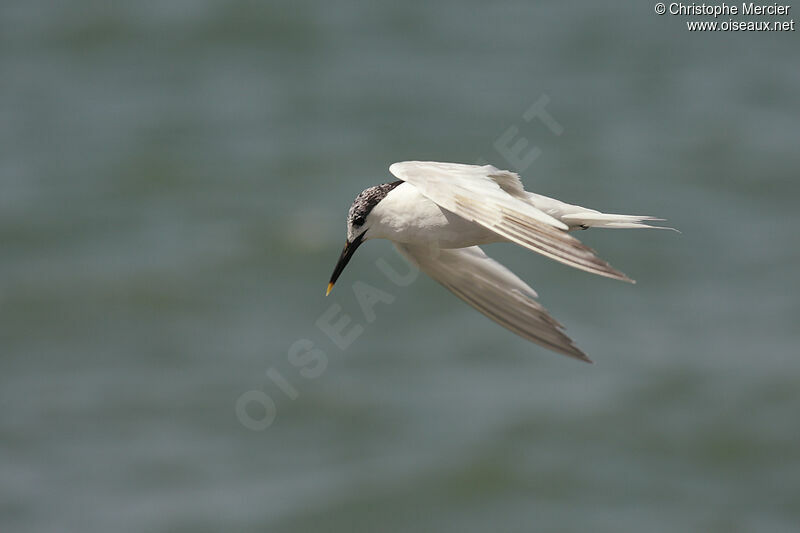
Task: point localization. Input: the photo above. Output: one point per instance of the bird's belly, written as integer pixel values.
(408, 217)
(451, 231)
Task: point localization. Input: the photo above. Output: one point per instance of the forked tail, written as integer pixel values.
(593, 219)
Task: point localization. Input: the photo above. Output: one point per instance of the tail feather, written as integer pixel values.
(593, 219)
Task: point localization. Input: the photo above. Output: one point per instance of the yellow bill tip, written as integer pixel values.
(330, 288)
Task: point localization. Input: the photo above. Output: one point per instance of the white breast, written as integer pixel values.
(407, 216)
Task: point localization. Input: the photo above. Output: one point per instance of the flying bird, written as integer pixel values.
(437, 215)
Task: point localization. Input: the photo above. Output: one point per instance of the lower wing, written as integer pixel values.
(495, 291)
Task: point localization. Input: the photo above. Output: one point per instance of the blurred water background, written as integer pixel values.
(174, 181)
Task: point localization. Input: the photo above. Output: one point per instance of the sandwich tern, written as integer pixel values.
(437, 215)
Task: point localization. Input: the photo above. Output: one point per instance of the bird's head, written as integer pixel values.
(358, 224)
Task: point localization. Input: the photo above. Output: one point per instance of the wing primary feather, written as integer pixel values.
(550, 242)
(558, 342)
(496, 292)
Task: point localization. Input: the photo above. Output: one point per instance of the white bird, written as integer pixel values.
(438, 213)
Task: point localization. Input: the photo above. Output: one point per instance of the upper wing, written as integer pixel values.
(495, 199)
(495, 291)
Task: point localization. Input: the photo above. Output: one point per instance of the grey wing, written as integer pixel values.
(495, 291)
(496, 200)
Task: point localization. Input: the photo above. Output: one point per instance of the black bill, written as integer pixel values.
(347, 253)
